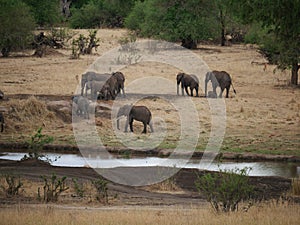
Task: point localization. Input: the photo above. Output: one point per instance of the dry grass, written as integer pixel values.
(48, 215)
(296, 186)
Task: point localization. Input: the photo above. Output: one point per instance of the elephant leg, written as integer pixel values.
(131, 124)
(186, 90)
(145, 128)
(215, 90)
(126, 125)
(197, 95)
(192, 90)
(221, 93)
(227, 92)
(151, 126)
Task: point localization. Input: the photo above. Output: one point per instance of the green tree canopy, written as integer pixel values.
(282, 20)
(100, 13)
(45, 12)
(16, 26)
(186, 21)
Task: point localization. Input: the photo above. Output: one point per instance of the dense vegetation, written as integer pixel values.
(274, 25)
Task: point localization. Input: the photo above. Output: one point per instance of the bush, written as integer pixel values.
(36, 144)
(100, 13)
(12, 184)
(16, 27)
(101, 186)
(53, 187)
(226, 189)
(45, 12)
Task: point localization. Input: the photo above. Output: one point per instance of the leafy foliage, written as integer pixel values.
(53, 187)
(12, 184)
(16, 27)
(100, 13)
(45, 12)
(281, 18)
(101, 186)
(36, 144)
(187, 21)
(84, 45)
(226, 189)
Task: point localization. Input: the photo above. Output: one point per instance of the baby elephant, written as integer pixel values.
(2, 121)
(139, 113)
(82, 106)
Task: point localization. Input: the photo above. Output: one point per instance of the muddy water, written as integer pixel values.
(282, 169)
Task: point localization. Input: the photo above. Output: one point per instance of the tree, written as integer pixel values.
(16, 26)
(45, 12)
(100, 13)
(187, 21)
(282, 20)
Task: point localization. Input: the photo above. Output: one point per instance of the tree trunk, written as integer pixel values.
(222, 21)
(295, 69)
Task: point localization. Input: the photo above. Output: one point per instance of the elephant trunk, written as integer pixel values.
(177, 89)
(118, 123)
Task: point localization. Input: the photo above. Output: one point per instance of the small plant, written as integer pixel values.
(12, 184)
(78, 188)
(53, 187)
(36, 144)
(84, 45)
(101, 186)
(226, 189)
(296, 186)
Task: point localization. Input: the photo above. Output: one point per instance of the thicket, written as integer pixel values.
(100, 13)
(227, 189)
(16, 26)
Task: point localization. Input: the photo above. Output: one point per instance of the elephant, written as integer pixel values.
(2, 121)
(120, 79)
(106, 93)
(139, 113)
(219, 79)
(90, 76)
(82, 106)
(186, 81)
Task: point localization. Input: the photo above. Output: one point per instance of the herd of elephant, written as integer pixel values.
(108, 86)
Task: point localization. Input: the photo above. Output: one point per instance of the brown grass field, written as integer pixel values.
(48, 215)
(264, 117)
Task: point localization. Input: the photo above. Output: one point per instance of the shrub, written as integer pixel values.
(36, 144)
(101, 186)
(78, 188)
(226, 189)
(53, 187)
(12, 184)
(16, 27)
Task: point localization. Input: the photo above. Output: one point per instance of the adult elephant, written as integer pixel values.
(139, 113)
(186, 81)
(92, 76)
(219, 79)
(2, 121)
(120, 80)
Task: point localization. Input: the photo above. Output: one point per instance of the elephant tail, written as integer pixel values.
(233, 88)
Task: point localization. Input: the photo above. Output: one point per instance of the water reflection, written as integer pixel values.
(282, 169)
